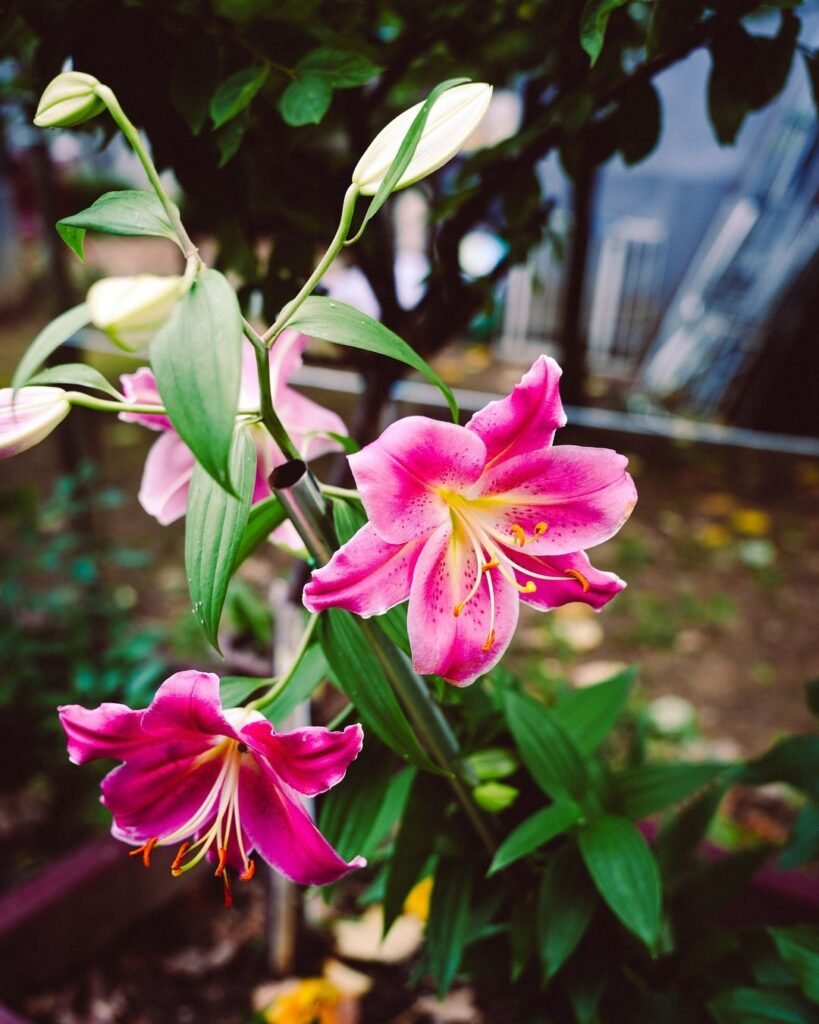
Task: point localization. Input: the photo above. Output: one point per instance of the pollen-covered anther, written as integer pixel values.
(493, 563)
(581, 579)
(249, 871)
(489, 643)
(540, 529)
(529, 587)
(220, 867)
(459, 607)
(518, 533)
(145, 850)
(176, 866)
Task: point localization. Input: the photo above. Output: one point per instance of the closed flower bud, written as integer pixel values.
(68, 99)
(28, 416)
(131, 309)
(452, 119)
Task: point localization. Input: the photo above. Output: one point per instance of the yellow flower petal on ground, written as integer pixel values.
(713, 536)
(753, 522)
(417, 902)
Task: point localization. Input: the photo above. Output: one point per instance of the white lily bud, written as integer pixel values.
(132, 309)
(453, 117)
(68, 99)
(28, 416)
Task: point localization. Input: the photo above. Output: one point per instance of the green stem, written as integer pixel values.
(335, 247)
(132, 135)
(281, 683)
(274, 425)
(345, 493)
(107, 405)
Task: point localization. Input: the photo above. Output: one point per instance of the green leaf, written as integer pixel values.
(264, 517)
(626, 874)
(799, 948)
(760, 1006)
(229, 137)
(703, 893)
(306, 100)
(637, 123)
(60, 330)
(357, 816)
(359, 674)
(593, 22)
(566, 902)
(335, 321)
(197, 357)
(311, 670)
(794, 760)
(78, 374)
(589, 714)
(803, 844)
(343, 69)
(214, 524)
(678, 841)
(234, 94)
(404, 155)
(128, 212)
(537, 830)
(237, 690)
(652, 787)
(414, 844)
(670, 21)
(547, 751)
(448, 920)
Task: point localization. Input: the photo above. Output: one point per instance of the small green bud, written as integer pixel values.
(68, 100)
(494, 796)
(492, 763)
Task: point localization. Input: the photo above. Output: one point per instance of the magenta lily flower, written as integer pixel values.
(216, 783)
(467, 522)
(163, 492)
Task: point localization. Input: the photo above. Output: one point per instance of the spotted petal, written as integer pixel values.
(526, 420)
(188, 705)
(577, 580)
(366, 575)
(462, 646)
(398, 474)
(309, 760)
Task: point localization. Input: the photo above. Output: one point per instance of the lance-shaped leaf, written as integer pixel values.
(214, 524)
(566, 903)
(593, 22)
(236, 93)
(264, 517)
(448, 920)
(80, 375)
(625, 872)
(538, 829)
(361, 676)
(413, 844)
(196, 357)
(551, 757)
(799, 948)
(588, 715)
(652, 787)
(54, 334)
(335, 321)
(129, 212)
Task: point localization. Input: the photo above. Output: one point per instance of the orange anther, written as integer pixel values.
(145, 850)
(517, 532)
(220, 867)
(249, 871)
(459, 607)
(490, 641)
(493, 563)
(581, 579)
(529, 587)
(176, 866)
(540, 529)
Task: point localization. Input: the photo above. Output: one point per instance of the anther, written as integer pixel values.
(493, 563)
(145, 850)
(540, 529)
(489, 643)
(517, 532)
(220, 867)
(249, 872)
(581, 579)
(529, 587)
(459, 607)
(176, 866)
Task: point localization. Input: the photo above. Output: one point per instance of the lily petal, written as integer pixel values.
(582, 495)
(458, 647)
(189, 703)
(283, 832)
(309, 760)
(399, 474)
(163, 492)
(525, 420)
(140, 389)
(366, 575)
(111, 730)
(580, 582)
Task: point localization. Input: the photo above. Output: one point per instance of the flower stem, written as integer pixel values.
(305, 505)
(335, 247)
(270, 418)
(280, 684)
(132, 135)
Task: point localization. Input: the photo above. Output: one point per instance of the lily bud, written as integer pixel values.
(131, 309)
(453, 117)
(28, 416)
(68, 99)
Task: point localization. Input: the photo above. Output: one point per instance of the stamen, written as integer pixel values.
(249, 872)
(145, 850)
(490, 639)
(220, 867)
(459, 607)
(540, 529)
(493, 563)
(517, 532)
(228, 894)
(176, 866)
(581, 579)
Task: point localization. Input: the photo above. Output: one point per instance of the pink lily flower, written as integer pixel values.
(216, 783)
(467, 522)
(163, 492)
